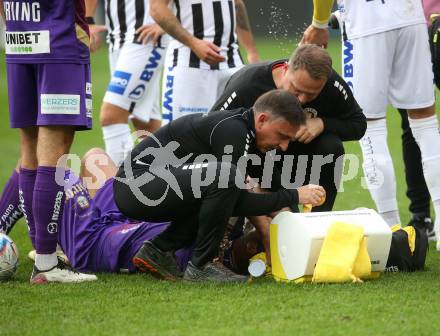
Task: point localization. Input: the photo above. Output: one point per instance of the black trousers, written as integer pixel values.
(417, 191)
(326, 145)
(198, 212)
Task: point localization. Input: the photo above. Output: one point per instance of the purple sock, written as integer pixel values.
(48, 209)
(10, 210)
(26, 194)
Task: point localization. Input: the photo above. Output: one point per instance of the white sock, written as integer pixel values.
(118, 141)
(427, 136)
(391, 217)
(45, 262)
(378, 167)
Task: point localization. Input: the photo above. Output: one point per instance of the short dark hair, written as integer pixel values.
(315, 60)
(281, 104)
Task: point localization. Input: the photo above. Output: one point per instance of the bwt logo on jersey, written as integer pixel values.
(119, 82)
(348, 65)
(137, 92)
(168, 98)
(147, 74)
(152, 64)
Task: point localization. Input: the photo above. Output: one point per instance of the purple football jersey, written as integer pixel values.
(46, 31)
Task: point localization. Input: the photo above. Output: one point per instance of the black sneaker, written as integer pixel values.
(213, 271)
(424, 223)
(161, 264)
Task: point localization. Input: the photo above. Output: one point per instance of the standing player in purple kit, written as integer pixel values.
(47, 56)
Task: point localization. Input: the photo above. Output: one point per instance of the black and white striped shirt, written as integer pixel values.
(211, 20)
(122, 18)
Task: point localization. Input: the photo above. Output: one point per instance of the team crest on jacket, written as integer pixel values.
(82, 206)
(83, 202)
(311, 112)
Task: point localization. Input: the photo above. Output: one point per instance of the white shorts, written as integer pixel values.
(191, 90)
(392, 67)
(135, 84)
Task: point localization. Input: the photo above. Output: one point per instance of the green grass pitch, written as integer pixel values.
(396, 304)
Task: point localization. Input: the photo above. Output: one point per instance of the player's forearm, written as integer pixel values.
(91, 6)
(165, 18)
(244, 31)
(321, 12)
(254, 204)
(242, 16)
(246, 39)
(261, 224)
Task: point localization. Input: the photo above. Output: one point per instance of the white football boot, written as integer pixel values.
(62, 272)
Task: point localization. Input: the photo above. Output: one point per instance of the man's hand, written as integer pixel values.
(206, 51)
(149, 33)
(253, 186)
(311, 194)
(314, 35)
(309, 131)
(95, 36)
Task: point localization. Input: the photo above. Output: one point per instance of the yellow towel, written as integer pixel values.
(340, 250)
(411, 237)
(361, 267)
(411, 232)
(362, 264)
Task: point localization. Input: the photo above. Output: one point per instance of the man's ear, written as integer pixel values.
(260, 119)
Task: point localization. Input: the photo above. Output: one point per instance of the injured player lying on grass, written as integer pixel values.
(96, 237)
